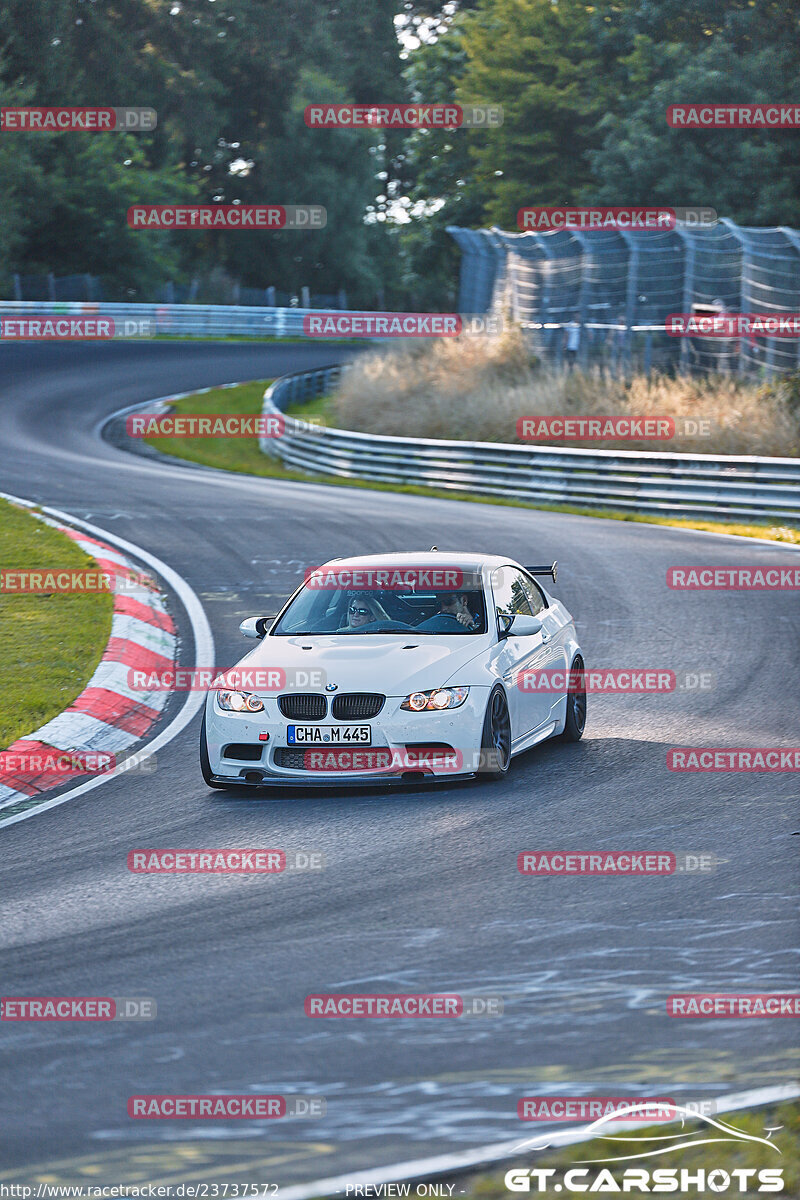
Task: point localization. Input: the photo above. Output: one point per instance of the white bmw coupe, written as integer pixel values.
(396, 668)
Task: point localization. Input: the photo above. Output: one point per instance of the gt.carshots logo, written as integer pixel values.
(734, 579)
(733, 758)
(227, 216)
(77, 120)
(390, 115)
(425, 1004)
(639, 1179)
(591, 1176)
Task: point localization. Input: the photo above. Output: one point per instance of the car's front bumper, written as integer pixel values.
(394, 730)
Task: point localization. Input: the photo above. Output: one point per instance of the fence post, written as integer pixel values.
(51, 286)
(17, 288)
(305, 297)
(342, 299)
(271, 297)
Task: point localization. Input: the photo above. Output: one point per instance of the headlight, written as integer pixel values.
(239, 702)
(436, 700)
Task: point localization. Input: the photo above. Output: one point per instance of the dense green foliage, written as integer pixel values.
(584, 88)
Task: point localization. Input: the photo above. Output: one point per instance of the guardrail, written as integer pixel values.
(661, 483)
(176, 320)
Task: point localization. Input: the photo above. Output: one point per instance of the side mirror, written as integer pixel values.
(255, 627)
(519, 625)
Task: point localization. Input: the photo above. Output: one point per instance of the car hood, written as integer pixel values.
(391, 664)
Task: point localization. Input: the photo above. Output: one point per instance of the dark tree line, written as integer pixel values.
(584, 88)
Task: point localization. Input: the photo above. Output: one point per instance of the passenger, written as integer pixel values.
(362, 608)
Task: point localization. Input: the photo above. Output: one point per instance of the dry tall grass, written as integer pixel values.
(475, 388)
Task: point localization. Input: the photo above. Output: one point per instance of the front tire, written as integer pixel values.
(205, 765)
(496, 738)
(576, 708)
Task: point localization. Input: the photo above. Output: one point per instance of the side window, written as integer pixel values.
(510, 592)
(535, 597)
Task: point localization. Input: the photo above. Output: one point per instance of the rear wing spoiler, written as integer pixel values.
(552, 570)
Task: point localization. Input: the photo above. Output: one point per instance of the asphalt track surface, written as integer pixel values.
(421, 891)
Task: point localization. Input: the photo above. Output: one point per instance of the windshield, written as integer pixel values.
(374, 611)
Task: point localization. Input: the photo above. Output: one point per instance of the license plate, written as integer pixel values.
(329, 735)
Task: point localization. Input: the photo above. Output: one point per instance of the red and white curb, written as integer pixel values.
(108, 716)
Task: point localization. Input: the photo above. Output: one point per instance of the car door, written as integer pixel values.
(514, 655)
(554, 655)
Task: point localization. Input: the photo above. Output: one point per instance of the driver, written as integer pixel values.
(452, 616)
(362, 608)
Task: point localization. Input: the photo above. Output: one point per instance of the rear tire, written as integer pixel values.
(495, 738)
(576, 708)
(205, 765)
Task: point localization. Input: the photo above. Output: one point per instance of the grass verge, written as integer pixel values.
(50, 644)
(243, 454)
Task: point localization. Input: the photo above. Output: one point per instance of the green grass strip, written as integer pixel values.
(50, 645)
